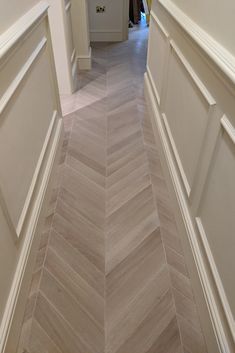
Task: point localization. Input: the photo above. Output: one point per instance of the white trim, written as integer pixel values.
(9, 38)
(176, 155)
(216, 276)
(160, 25)
(73, 56)
(194, 78)
(84, 61)
(153, 85)
(33, 184)
(216, 52)
(105, 31)
(16, 231)
(7, 96)
(228, 127)
(166, 38)
(207, 97)
(213, 309)
(8, 316)
(106, 35)
(68, 6)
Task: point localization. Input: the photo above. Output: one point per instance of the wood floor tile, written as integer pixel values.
(156, 324)
(192, 340)
(119, 326)
(80, 234)
(105, 283)
(80, 264)
(40, 341)
(72, 311)
(59, 329)
(76, 286)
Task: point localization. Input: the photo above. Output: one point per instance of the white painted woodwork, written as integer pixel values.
(157, 58)
(208, 14)
(30, 135)
(217, 221)
(190, 89)
(186, 114)
(63, 45)
(81, 33)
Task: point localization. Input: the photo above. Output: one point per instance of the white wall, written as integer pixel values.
(190, 90)
(30, 135)
(10, 11)
(111, 25)
(216, 17)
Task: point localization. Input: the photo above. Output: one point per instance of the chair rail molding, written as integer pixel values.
(190, 89)
(26, 77)
(222, 58)
(18, 30)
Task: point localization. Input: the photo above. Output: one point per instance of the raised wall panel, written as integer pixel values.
(216, 219)
(157, 58)
(188, 107)
(21, 113)
(30, 136)
(198, 155)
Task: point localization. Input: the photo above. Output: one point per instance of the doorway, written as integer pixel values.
(139, 12)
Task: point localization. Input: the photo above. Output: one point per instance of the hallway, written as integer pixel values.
(101, 282)
(117, 169)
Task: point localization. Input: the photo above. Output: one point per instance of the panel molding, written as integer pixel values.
(84, 61)
(216, 277)
(15, 84)
(159, 95)
(36, 200)
(36, 174)
(73, 55)
(206, 96)
(4, 101)
(68, 6)
(228, 127)
(17, 283)
(160, 25)
(176, 155)
(17, 231)
(214, 316)
(15, 34)
(194, 77)
(219, 56)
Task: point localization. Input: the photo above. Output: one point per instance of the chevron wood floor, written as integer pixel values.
(102, 281)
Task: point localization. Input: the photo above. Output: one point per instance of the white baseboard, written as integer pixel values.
(75, 75)
(106, 36)
(84, 61)
(214, 326)
(11, 323)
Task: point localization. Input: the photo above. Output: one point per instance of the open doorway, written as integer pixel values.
(139, 12)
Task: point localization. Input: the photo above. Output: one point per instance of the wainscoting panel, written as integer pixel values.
(157, 58)
(216, 220)
(188, 107)
(192, 109)
(18, 113)
(30, 135)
